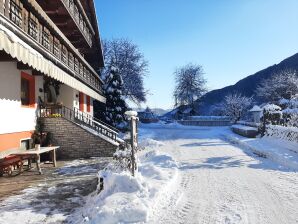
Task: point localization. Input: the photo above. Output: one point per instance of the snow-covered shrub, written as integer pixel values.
(285, 133)
(235, 106)
(282, 85)
(293, 120)
(290, 111)
(123, 158)
(272, 114)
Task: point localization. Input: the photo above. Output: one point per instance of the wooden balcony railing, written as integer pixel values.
(47, 40)
(79, 18)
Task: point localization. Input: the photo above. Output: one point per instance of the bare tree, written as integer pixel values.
(282, 85)
(235, 105)
(190, 84)
(132, 66)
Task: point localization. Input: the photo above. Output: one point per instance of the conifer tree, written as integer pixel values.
(115, 103)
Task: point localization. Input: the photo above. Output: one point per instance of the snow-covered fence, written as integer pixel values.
(206, 121)
(286, 133)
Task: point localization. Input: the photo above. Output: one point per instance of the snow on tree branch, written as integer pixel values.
(235, 105)
(282, 85)
(131, 64)
(190, 84)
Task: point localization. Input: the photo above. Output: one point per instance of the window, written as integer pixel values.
(46, 38)
(70, 60)
(56, 48)
(27, 90)
(25, 144)
(88, 103)
(16, 12)
(33, 26)
(64, 54)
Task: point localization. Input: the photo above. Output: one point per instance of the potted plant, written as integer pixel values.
(36, 140)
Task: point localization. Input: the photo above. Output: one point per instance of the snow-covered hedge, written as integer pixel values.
(286, 133)
(128, 199)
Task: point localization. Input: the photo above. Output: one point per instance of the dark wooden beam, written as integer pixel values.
(6, 57)
(36, 73)
(22, 66)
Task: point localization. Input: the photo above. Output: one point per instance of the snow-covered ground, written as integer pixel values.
(197, 175)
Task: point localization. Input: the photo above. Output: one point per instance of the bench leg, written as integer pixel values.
(9, 170)
(38, 164)
(20, 166)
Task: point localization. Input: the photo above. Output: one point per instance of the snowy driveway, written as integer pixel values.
(221, 183)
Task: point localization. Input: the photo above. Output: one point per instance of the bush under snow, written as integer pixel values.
(127, 199)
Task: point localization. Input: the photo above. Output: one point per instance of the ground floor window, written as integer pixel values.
(25, 144)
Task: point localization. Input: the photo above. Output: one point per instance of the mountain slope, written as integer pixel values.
(246, 86)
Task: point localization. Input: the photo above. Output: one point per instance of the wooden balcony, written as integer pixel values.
(33, 26)
(70, 17)
(79, 16)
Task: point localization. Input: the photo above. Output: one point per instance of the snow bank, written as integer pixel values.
(127, 199)
(277, 150)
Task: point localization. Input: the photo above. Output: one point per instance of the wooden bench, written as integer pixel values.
(9, 163)
(12, 162)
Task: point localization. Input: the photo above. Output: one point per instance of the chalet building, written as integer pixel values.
(50, 61)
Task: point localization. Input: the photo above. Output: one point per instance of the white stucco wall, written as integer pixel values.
(77, 103)
(14, 117)
(66, 96)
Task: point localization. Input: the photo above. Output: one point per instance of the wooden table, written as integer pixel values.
(36, 154)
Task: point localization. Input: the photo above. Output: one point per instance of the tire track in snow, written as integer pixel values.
(220, 183)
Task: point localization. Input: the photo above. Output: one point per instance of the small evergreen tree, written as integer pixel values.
(115, 105)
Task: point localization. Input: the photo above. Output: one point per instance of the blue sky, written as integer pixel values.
(231, 39)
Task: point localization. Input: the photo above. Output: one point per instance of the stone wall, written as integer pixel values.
(75, 141)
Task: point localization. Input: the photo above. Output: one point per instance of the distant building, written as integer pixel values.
(147, 116)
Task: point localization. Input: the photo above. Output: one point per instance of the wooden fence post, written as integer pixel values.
(133, 138)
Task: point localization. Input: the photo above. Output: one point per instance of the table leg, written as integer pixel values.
(29, 163)
(54, 157)
(38, 164)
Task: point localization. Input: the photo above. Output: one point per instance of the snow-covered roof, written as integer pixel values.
(271, 107)
(255, 108)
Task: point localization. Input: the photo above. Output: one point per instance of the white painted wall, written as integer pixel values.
(14, 117)
(66, 96)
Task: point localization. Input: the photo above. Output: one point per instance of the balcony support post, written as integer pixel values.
(2, 6)
(6, 4)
